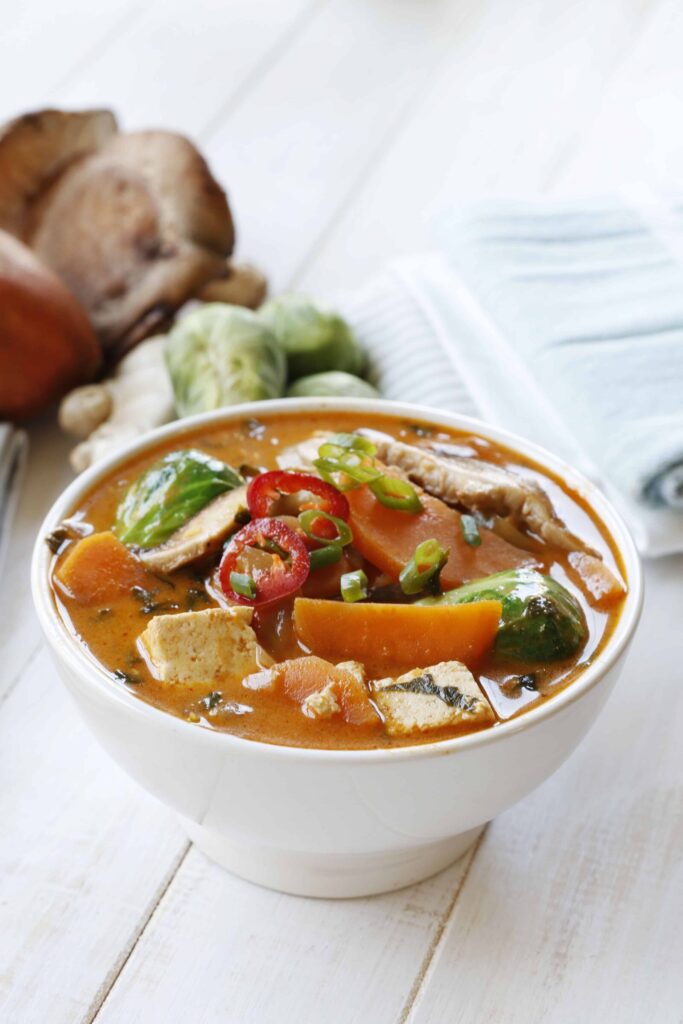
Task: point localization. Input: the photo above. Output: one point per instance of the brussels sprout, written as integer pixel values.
(333, 383)
(314, 339)
(221, 355)
(169, 493)
(541, 621)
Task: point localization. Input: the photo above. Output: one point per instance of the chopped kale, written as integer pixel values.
(211, 700)
(130, 678)
(195, 596)
(254, 428)
(57, 539)
(148, 602)
(213, 704)
(528, 681)
(450, 695)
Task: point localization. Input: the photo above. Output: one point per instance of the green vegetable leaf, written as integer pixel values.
(169, 493)
(541, 620)
(334, 384)
(220, 355)
(315, 339)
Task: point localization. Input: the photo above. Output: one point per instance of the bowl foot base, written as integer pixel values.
(331, 876)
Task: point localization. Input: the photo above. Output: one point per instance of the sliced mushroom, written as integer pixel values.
(200, 535)
(35, 148)
(240, 285)
(133, 224)
(482, 487)
(134, 231)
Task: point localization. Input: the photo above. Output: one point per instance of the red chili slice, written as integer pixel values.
(264, 490)
(288, 568)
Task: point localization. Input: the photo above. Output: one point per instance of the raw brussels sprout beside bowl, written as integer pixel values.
(220, 355)
(315, 339)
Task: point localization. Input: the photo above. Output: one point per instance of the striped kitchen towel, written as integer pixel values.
(560, 321)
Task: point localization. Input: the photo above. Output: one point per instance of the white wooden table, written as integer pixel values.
(338, 126)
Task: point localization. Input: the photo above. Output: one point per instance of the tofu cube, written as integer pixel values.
(437, 697)
(205, 647)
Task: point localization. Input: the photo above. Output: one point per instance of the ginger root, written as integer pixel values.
(84, 408)
(137, 398)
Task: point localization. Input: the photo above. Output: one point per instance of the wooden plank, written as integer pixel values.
(311, 128)
(85, 855)
(571, 911)
(42, 44)
(220, 949)
(179, 67)
(499, 117)
(630, 137)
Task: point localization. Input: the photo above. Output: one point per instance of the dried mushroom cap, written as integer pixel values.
(46, 342)
(134, 230)
(35, 148)
(240, 285)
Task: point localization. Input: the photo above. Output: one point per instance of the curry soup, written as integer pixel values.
(337, 580)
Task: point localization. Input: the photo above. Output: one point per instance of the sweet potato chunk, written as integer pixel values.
(603, 589)
(301, 678)
(388, 538)
(99, 568)
(397, 633)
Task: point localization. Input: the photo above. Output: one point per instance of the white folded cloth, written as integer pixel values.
(13, 448)
(560, 321)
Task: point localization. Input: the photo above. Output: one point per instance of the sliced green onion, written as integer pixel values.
(243, 584)
(311, 516)
(470, 531)
(354, 586)
(354, 442)
(328, 555)
(359, 469)
(423, 568)
(350, 455)
(393, 492)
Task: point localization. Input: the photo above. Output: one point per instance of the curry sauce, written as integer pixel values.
(110, 629)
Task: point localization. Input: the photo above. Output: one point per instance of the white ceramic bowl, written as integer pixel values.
(331, 822)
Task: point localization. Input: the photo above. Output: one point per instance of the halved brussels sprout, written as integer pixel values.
(541, 620)
(334, 383)
(222, 355)
(170, 492)
(314, 339)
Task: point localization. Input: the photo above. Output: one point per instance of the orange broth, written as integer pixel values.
(110, 633)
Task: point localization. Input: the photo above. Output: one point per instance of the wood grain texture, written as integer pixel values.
(630, 136)
(572, 907)
(84, 855)
(44, 45)
(181, 65)
(315, 124)
(500, 116)
(218, 949)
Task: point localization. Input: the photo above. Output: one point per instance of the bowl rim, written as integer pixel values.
(67, 647)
